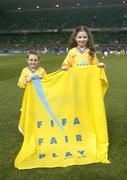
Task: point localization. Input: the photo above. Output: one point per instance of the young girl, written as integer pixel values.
(33, 69)
(81, 50)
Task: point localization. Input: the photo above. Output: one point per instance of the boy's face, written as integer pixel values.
(33, 61)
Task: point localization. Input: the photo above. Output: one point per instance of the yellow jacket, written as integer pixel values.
(26, 72)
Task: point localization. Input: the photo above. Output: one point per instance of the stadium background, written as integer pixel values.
(46, 26)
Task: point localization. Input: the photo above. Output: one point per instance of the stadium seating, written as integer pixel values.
(39, 28)
(64, 18)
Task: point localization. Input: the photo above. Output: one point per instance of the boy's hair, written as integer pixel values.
(33, 53)
(90, 44)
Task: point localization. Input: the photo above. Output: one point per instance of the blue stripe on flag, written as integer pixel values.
(39, 89)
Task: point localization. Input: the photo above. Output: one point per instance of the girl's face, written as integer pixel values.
(33, 61)
(82, 39)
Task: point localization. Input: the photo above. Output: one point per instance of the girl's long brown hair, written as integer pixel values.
(90, 44)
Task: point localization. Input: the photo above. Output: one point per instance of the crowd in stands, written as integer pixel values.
(58, 42)
(27, 30)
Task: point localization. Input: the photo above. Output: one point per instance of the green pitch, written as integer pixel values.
(11, 140)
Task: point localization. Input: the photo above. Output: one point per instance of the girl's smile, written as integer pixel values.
(82, 39)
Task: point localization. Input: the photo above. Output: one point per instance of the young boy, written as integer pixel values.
(33, 69)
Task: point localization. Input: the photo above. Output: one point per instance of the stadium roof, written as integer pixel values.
(32, 4)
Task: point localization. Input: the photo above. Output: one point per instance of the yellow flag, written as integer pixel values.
(63, 119)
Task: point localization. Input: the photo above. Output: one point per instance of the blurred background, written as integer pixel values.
(45, 25)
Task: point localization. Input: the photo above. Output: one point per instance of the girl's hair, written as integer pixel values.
(90, 44)
(33, 53)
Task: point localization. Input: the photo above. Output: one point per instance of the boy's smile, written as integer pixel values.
(33, 61)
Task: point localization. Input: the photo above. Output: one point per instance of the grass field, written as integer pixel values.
(11, 140)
